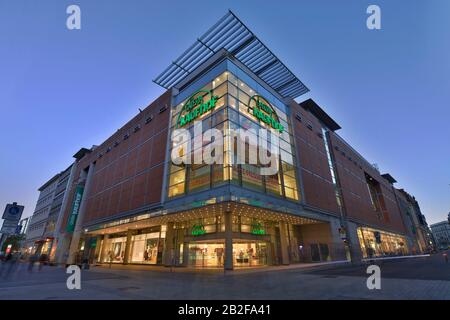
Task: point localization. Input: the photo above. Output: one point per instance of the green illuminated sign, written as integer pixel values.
(198, 229)
(196, 106)
(257, 228)
(75, 208)
(263, 111)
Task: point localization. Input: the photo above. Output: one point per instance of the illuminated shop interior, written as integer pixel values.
(199, 238)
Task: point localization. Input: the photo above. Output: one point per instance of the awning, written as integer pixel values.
(231, 34)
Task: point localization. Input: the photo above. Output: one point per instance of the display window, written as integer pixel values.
(145, 248)
(249, 254)
(115, 250)
(376, 243)
(245, 254)
(206, 254)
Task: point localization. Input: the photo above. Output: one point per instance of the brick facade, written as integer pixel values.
(351, 169)
(129, 174)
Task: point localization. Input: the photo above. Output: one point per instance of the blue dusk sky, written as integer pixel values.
(62, 89)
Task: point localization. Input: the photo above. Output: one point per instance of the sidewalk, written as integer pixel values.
(414, 278)
(210, 270)
(247, 270)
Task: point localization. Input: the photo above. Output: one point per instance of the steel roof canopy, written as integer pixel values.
(234, 36)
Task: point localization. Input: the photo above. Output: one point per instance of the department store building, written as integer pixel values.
(131, 204)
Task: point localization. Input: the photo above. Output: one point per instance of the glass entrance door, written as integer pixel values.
(249, 254)
(212, 254)
(206, 254)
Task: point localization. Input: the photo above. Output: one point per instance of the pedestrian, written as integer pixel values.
(32, 260)
(66, 258)
(12, 263)
(445, 257)
(8, 257)
(111, 257)
(5, 264)
(42, 260)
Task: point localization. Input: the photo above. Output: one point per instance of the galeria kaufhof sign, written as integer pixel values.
(196, 106)
(204, 101)
(262, 110)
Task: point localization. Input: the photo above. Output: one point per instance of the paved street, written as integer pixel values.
(418, 278)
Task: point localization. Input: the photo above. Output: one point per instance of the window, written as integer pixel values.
(376, 243)
(176, 190)
(149, 119)
(199, 177)
(374, 192)
(177, 177)
(232, 112)
(251, 177)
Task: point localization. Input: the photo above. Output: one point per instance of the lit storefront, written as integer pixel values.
(377, 243)
(245, 254)
(199, 238)
(44, 246)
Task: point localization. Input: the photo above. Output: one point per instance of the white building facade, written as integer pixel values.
(43, 229)
(441, 233)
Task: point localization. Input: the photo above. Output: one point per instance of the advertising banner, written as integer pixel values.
(75, 208)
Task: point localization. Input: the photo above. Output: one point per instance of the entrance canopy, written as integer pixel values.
(231, 34)
(205, 212)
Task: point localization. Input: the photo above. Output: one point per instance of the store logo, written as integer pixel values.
(198, 229)
(196, 106)
(258, 229)
(262, 110)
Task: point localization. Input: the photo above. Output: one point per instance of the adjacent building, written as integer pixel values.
(23, 225)
(441, 233)
(415, 222)
(42, 233)
(128, 202)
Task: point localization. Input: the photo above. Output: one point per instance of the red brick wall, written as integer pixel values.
(351, 168)
(311, 154)
(317, 182)
(129, 176)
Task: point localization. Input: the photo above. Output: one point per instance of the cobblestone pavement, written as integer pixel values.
(419, 278)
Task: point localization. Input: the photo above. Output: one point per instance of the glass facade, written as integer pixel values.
(115, 249)
(146, 247)
(232, 111)
(248, 254)
(207, 254)
(332, 168)
(240, 224)
(212, 254)
(376, 243)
